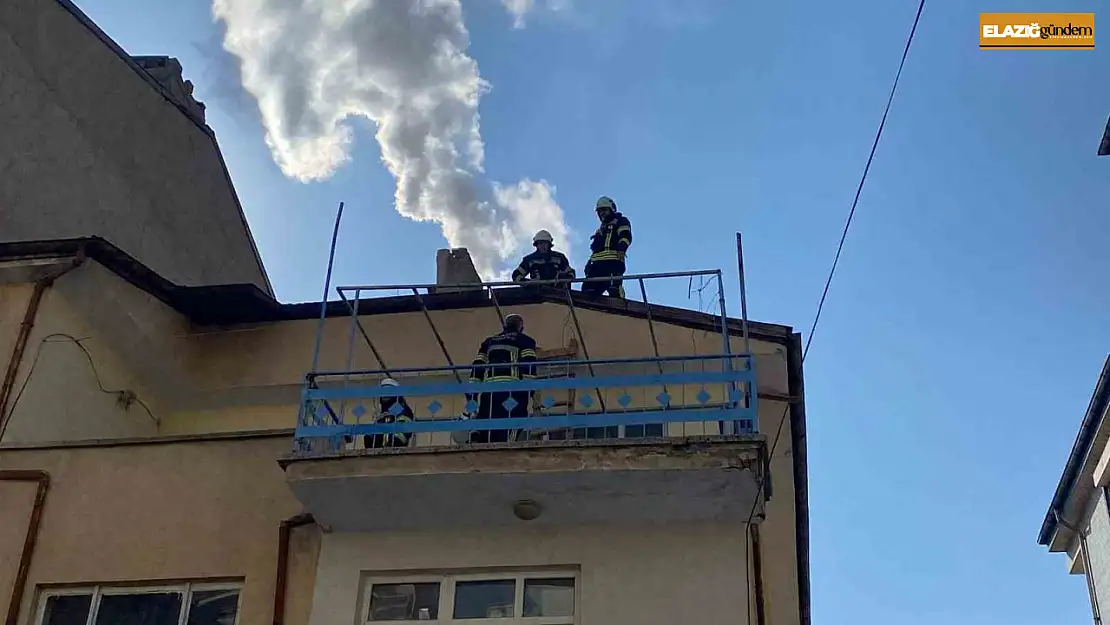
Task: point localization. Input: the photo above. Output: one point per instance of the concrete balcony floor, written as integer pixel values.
(653, 480)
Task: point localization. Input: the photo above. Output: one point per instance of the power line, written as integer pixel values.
(124, 396)
(828, 281)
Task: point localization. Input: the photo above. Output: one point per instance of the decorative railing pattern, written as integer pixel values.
(620, 398)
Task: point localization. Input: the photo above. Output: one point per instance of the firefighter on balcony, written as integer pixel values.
(609, 245)
(506, 357)
(544, 263)
(394, 409)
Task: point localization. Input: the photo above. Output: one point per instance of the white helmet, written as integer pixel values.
(606, 202)
(542, 236)
(389, 382)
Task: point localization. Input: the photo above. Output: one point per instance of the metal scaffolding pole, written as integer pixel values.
(556, 283)
(350, 352)
(585, 350)
(651, 327)
(435, 331)
(743, 294)
(497, 306)
(727, 340)
(327, 287)
(365, 335)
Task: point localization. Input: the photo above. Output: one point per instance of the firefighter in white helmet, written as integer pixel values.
(609, 247)
(394, 409)
(544, 263)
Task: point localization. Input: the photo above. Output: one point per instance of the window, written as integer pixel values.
(488, 599)
(184, 604)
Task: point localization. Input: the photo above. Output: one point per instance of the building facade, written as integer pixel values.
(1078, 519)
(176, 446)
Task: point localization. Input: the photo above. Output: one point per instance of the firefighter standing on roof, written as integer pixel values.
(506, 357)
(609, 245)
(544, 263)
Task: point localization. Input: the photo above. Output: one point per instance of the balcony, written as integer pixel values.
(636, 440)
(648, 439)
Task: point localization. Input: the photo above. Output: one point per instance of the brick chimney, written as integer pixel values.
(453, 267)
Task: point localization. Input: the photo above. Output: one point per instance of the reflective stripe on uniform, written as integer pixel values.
(607, 255)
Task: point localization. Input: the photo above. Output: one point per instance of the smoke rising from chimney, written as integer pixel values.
(313, 65)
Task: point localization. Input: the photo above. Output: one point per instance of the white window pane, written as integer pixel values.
(485, 599)
(156, 608)
(67, 610)
(213, 607)
(549, 597)
(404, 602)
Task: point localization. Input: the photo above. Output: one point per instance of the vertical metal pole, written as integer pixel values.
(496, 305)
(351, 337)
(350, 352)
(327, 287)
(365, 335)
(724, 315)
(743, 294)
(753, 391)
(439, 339)
(727, 341)
(585, 350)
(651, 327)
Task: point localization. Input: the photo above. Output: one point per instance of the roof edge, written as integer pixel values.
(1092, 420)
(234, 304)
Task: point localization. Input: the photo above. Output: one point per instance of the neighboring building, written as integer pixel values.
(1078, 520)
(170, 455)
(95, 142)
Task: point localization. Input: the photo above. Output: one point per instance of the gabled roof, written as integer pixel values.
(172, 100)
(1085, 441)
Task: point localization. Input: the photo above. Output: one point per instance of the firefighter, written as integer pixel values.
(544, 263)
(609, 245)
(389, 414)
(506, 357)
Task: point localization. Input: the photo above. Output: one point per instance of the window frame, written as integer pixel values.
(447, 583)
(97, 591)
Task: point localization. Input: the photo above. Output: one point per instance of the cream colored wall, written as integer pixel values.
(134, 343)
(260, 368)
(182, 511)
(16, 502)
(248, 378)
(198, 380)
(57, 395)
(629, 575)
(90, 148)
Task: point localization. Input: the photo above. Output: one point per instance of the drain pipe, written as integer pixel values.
(24, 335)
(285, 531)
(42, 478)
(757, 573)
(1096, 610)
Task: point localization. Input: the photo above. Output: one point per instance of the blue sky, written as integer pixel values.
(968, 320)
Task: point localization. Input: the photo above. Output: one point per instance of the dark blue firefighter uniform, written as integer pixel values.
(512, 357)
(398, 439)
(609, 246)
(549, 265)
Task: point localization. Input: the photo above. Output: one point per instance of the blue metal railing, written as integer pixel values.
(666, 396)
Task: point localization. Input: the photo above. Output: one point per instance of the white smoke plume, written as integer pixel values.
(313, 65)
(520, 9)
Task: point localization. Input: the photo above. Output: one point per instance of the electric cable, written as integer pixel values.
(828, 283)
(123, 395)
